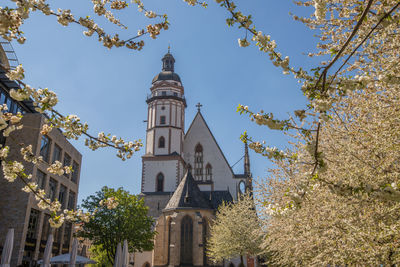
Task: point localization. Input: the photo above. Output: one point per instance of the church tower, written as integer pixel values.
(165, 130)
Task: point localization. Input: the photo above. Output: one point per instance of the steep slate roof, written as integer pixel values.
(188, 195)
(217, 197)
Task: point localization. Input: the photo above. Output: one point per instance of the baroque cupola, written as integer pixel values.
(168, 68)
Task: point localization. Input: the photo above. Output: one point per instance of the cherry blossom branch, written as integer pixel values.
(343, 48)
(45, 100)
(364, 40)
(17, 16)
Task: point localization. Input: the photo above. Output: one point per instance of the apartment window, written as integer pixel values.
(62, 196)
(67, 234)
(52, 189)
(2, 98)
(14, 108)
(9, 103)
(45, 227)
(56, 153)
(162, 120)
(164, 93)
(33, 224)
(71, 200)
(57, 240)
(75, 171)
(40, 179)
(45, 148)
(67, 162)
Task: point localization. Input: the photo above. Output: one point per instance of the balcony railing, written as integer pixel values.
(165, 95)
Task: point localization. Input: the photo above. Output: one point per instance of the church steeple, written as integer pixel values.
(165, 130)
(246, 161)
(247, 172)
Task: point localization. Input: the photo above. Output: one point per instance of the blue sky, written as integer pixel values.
(108, 88)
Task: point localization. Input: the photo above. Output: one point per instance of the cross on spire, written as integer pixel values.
(199, 106)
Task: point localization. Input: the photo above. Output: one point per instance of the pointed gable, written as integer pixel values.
(188, 195)
(200, 133)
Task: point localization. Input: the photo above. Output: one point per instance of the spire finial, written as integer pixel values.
(199, 106)
(169, 48)
(247, 172)
(187, 197)
(246, 160)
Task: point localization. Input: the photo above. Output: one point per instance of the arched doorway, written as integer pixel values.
(186, 241)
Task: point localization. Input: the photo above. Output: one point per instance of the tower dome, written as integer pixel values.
(167, 72)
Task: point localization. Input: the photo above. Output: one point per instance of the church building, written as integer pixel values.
(185, 176)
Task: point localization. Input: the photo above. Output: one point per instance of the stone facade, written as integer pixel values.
(167, 250)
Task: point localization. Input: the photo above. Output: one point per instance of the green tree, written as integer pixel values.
(118, 215)
(98, 254)
(236, 231)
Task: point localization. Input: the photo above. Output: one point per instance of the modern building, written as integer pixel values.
(185, 176)
(18, 209)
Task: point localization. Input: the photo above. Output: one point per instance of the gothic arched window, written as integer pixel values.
(186, 241)
(208, 172)
(161, 142)
(198, 163)
(160, 182)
